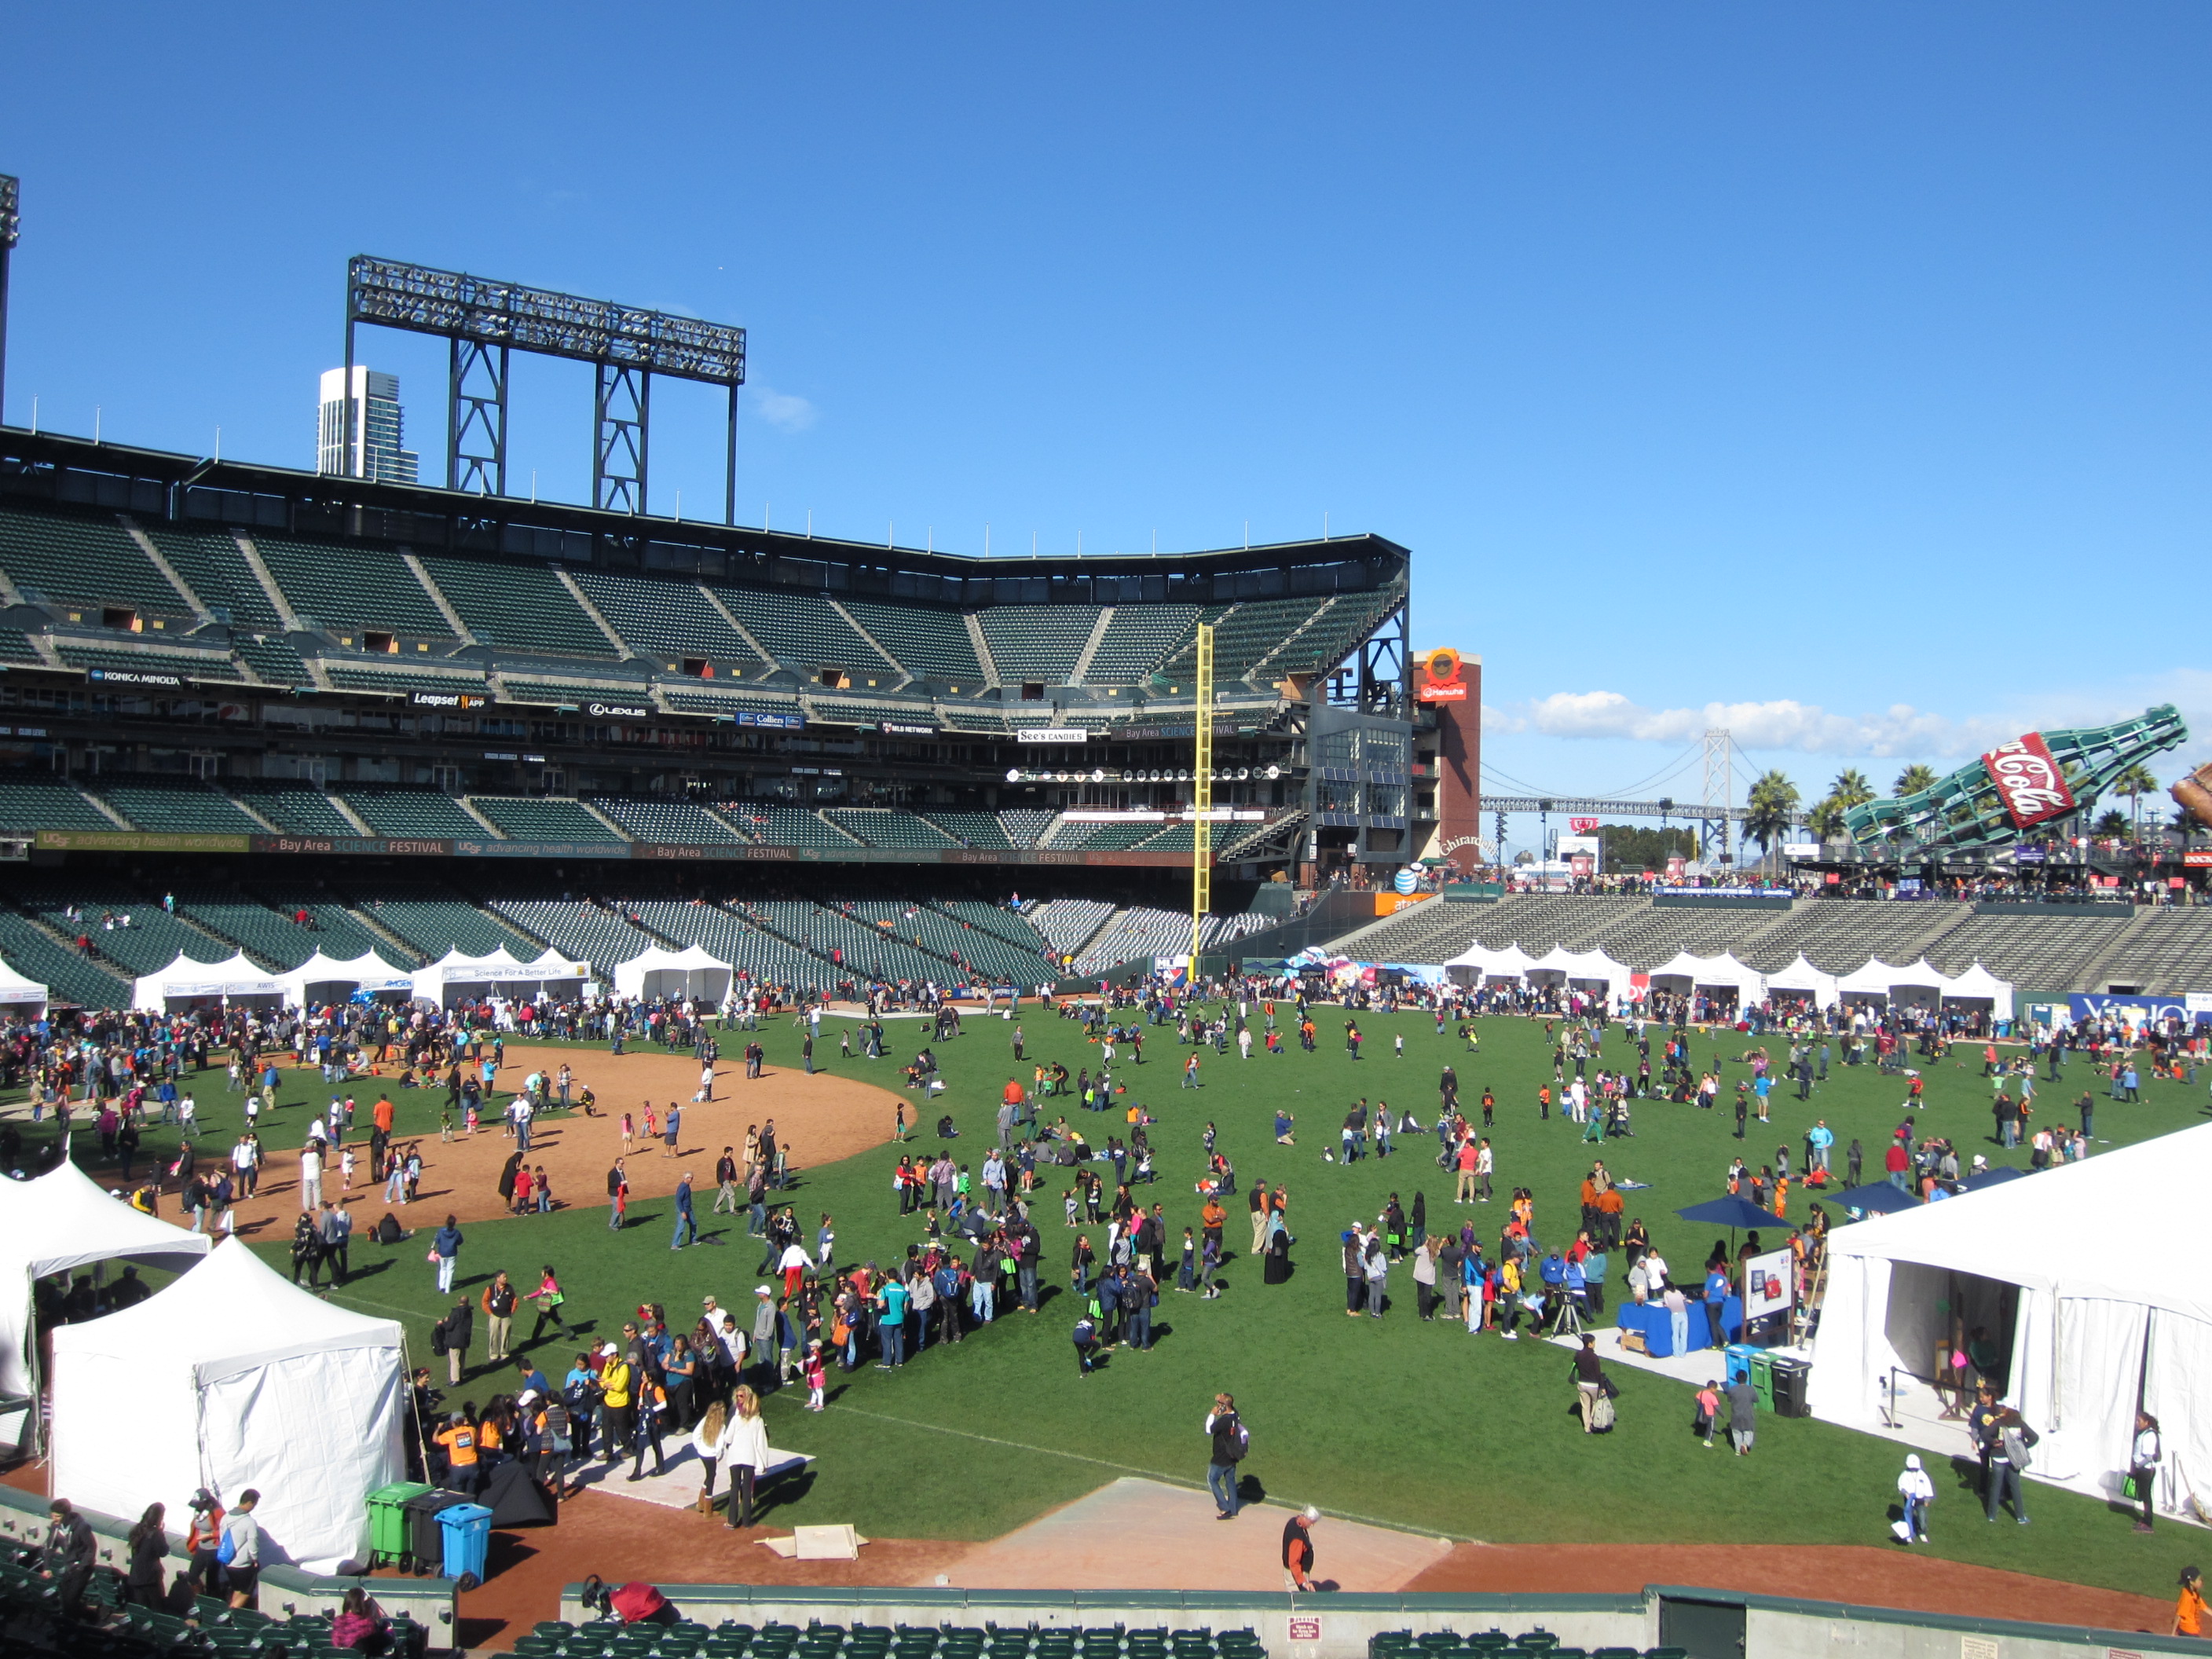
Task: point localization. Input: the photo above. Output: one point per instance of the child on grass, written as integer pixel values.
(1709, 1411)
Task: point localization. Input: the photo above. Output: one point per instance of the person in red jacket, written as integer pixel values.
(1896, 1161)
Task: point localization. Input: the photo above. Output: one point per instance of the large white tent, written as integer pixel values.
(233, 1377)
(1584, 970)
(660, 972)
(1690, 973)
(500, 974)
(185, 983)
(2113, 1308)
(1871, 980)
(322, 979)
(15, 991)
(1512, 962)
(57, 1223)
(1802, 975)
(1978, 983)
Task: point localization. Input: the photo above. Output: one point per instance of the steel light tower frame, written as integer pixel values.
(11, 195)
(1201, 799)
(486, 320)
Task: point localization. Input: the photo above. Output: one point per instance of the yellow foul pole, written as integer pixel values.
(1202, 800)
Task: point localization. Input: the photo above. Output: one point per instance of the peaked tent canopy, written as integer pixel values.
(1802, 975)
(319, 973)
(1711, 972)
(661, 972)
(16, 990)
(185, 983)
(2113, 1306)
(57, 1223)
(233, 1377)
(1978, 983)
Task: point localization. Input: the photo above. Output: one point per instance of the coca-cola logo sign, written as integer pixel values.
(2028, 781)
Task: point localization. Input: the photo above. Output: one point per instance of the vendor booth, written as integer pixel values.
(321, 981)
(233, 1377)
(661, 972)
(1727, 981)
(1591, 973)
(25, 998)
(1478, 964)
(56, 1224)
(1979, 989)
(185, 984)
(455, 977)
(1800, 981)
(2086, 1282)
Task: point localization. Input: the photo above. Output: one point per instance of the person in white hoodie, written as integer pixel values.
(743, 1453)
(1918, 1492)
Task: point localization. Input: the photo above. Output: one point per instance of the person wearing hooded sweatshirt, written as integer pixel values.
(1918, 1492)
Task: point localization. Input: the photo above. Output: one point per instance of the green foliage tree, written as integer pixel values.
(2135, 783)
(1629, 846)
(1851, 788)
(2113, 826)
(1769, 806)
(1914, 779)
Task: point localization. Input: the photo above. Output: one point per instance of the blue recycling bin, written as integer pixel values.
(1740, 1357)
(467, 1528)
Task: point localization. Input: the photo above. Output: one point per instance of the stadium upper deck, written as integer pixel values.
(268, 631)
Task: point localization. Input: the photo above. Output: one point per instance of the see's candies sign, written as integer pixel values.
(1441, 681)
(2028, 781)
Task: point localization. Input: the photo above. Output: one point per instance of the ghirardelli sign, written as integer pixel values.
(2028, 781)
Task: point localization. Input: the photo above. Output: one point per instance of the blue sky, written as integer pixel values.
(1842, 369)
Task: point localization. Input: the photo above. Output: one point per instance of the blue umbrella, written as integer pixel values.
(1731, 1212)
(1997, 1178)
(1876, 1198)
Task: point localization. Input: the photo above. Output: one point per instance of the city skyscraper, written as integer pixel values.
(377, 454)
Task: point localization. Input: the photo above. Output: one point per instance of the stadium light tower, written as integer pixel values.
(484, 321)
(10, 197)
(1201, 800)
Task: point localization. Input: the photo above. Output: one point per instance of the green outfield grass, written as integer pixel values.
(1415, 1425)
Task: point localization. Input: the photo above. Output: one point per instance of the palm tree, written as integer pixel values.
(2113, 826)
(1769, 806)
(1914, 779)
(1827, 818)
(2135, 783)
(1851, 788)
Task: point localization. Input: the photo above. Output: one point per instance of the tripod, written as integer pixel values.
(1569, 1319)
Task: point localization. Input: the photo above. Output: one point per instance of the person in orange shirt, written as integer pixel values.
(463, 1470)
(1544, 1102)
(2189, 1611)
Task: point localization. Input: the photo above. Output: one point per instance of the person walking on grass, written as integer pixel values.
(446, 1250)
(1916, 1492)
(1230, 1441)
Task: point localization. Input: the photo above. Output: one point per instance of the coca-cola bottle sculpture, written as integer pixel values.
(2017, 786)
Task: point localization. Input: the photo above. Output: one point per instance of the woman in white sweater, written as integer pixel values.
(743, 1453)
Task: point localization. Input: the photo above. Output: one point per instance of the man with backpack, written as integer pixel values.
(1232, 1440)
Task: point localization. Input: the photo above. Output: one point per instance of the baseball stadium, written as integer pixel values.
(583, 1083)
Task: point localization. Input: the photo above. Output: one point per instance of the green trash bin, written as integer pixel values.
(387, 1520)
(1762, 1379)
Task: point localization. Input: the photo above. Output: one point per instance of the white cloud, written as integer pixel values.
(782, 409)
(1782, 723)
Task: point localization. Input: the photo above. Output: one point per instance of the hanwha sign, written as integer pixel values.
(1441, 681)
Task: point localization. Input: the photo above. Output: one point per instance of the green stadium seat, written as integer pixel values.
(350, 588)
(85, 562)
(516, 605)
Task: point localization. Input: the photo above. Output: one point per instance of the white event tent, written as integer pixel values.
(57, 1223)
(661, 972)
(323, 979)
(1584, 970)
(1512, 962)
(184, 982)
(500, 973)
(1722, 972)
(232, 1378)
(16, 991)
(1802, 975)
(2112, 1308)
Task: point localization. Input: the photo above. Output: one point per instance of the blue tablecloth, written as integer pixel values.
(1650, 1319)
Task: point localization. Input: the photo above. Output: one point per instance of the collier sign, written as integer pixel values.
(2028, 781)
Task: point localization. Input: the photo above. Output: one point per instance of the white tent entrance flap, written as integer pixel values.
(1722, 977)
(233, 1377)
(2087, 1274)
(57, 1223)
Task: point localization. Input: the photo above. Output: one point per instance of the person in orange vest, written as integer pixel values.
(463, 1471)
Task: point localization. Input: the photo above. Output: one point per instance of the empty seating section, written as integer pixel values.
(395, 681)
(1174, 838)
(516, 606)
(330, 927)
(1139, 638)
(68, 975)
(185, 665)
(152, 941)
(296, 808)
(1025, 826)
(2168, 954)
(736, 939)
(347, 587)
(187, 808)
(2036, 953)
(665, 619)
(1221, 931)
(1838, 935)
(412, 812)
(974, 829)
(1066, 924)
(685, 700)
(36, 804)
(786, 826)
(993, 919)
(690, 1640)
(1432, 932)
(1652, 936)
(1243, 634)
(578, 928)
(929, 644)
(801, 631)
(1138, 934)
(433, 920)
(523, 818)
(1495, 1644)
(213, 568)
(84, 562)
(861, 951)
(1106, 837)
(1333, 633)
(1038, 641)
(274, 941)
(1537, 921)
(15, 646)
(881, 826)
(274, 660)
(676, 823)
(982, 949)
